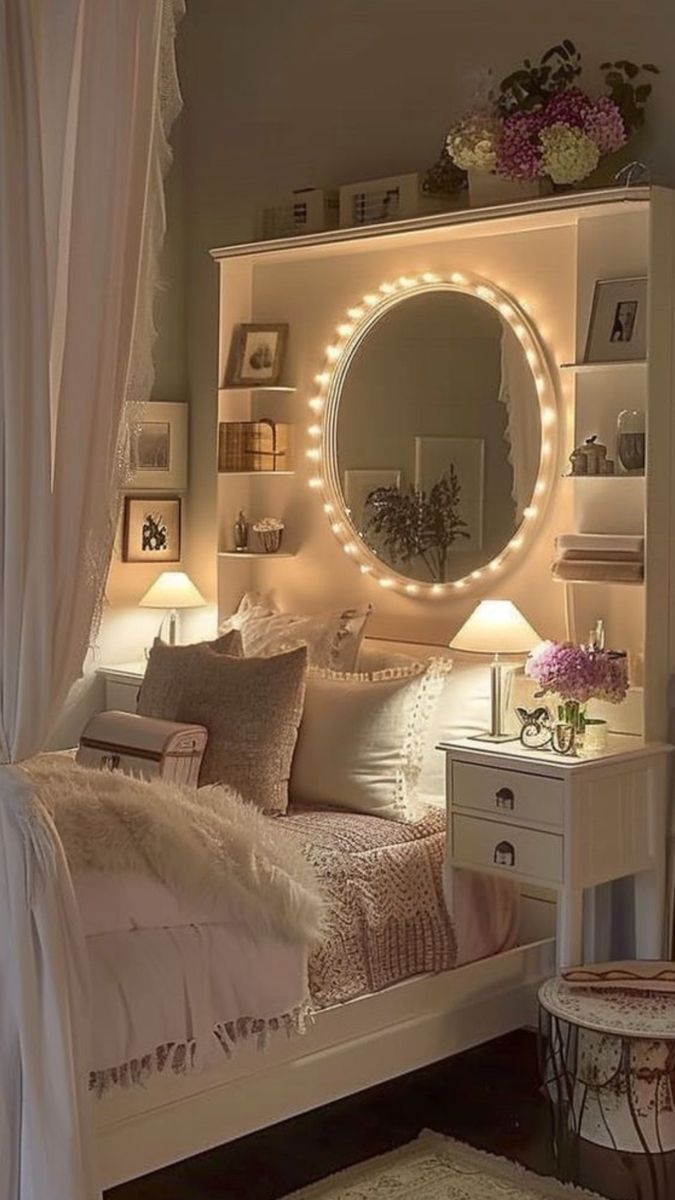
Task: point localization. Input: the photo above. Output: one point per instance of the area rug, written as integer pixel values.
(437, 1168)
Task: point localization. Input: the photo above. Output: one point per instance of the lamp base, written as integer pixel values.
(492, 737)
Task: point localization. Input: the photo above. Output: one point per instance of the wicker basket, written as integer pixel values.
(269, 539)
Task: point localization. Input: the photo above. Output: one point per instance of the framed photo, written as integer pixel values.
(433, 458)
(158, 448)
(256, 355)
(152, 529)
(617, 330)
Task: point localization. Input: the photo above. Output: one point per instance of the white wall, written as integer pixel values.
(316, 92)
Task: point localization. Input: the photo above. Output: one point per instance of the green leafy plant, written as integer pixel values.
(413, 524)
(443, 178)
(531, 85)
(629, 95)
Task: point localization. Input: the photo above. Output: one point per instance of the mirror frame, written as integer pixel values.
(325, 405)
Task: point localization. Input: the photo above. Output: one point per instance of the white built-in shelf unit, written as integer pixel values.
(547, 254)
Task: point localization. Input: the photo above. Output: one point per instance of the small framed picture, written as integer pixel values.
(158, 448)
(617, 330)
(152, 529)
(256, 355)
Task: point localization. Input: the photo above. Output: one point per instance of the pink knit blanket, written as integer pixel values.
(383, 885)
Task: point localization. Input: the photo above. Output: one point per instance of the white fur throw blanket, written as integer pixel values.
(203, 845)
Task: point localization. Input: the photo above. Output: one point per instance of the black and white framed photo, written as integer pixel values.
(158, 448)
(152, 529)
(617, 330)
(256, 356)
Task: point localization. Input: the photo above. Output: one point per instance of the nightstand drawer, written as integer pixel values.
(531, 852)
(509, 794)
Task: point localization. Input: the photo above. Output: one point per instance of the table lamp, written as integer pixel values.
(496, 627)
(172, 590)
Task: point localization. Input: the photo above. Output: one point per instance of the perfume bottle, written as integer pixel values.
(241, 532)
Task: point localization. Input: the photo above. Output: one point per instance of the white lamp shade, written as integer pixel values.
(496, 627)
(173, 589)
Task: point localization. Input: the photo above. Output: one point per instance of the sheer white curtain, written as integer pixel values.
(88, 93)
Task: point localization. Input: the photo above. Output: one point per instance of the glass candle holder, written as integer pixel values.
(630, 441)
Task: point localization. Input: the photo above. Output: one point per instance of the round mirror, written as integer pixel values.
(436, 434)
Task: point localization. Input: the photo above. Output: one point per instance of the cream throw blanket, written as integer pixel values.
(204, 845)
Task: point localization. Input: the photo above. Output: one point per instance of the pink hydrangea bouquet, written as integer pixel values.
(577, 674)
(541, 124)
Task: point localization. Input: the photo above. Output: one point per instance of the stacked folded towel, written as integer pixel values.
(599, 558)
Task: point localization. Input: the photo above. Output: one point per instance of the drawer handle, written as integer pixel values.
(504, 855)
(504, 798)
(110, 762)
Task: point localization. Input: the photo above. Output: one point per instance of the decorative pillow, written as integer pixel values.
(161, 688)
(463, 709)
(362, 738)
(252, 708)
(333, 639)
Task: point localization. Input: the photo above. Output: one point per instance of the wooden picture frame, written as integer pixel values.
(257, 354)
(158, 448)
(617, 329)
(152, 529)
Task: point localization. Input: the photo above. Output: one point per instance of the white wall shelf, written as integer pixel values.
(584, 368)
(254, 474)
(257, 387)
(255, 554)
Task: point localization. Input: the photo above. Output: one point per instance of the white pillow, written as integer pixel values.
(362, 738)
(463, 709)
(333, 639)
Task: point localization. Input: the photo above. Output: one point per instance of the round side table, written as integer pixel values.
(608, 1064)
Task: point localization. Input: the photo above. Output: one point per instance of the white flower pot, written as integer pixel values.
(486, 189)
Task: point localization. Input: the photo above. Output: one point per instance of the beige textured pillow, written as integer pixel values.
(161, 688)
(252, 708)
(362, 739)
(333, 639)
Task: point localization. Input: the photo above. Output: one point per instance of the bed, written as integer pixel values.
(393, 984)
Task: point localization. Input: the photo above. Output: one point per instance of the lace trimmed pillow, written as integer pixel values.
(362, 739)
(333, 639)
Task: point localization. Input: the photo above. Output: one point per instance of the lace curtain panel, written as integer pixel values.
(88, 96)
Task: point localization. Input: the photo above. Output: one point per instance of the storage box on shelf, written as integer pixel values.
(392, 199)
(304, 210)
(254, 447)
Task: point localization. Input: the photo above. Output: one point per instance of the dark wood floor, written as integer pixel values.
(489, 1097)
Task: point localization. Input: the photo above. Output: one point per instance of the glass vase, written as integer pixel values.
(630, 441)
(568, 731)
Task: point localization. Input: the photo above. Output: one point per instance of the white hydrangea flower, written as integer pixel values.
(568, 154)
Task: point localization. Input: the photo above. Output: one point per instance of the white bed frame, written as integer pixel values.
(345, 1049)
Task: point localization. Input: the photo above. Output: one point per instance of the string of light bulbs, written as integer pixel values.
(324, 406)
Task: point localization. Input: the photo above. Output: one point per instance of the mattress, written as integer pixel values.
(166, 974)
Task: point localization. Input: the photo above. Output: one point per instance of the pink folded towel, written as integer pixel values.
(598, 572)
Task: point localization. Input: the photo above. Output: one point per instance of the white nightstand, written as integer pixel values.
(565, 824)
(122, 684)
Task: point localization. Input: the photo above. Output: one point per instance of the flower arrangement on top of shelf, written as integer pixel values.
(539, 125)
(575, 675)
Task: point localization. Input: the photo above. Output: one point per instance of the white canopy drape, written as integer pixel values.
(87, 97)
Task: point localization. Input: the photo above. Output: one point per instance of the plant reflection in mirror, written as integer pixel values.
(412, 524)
